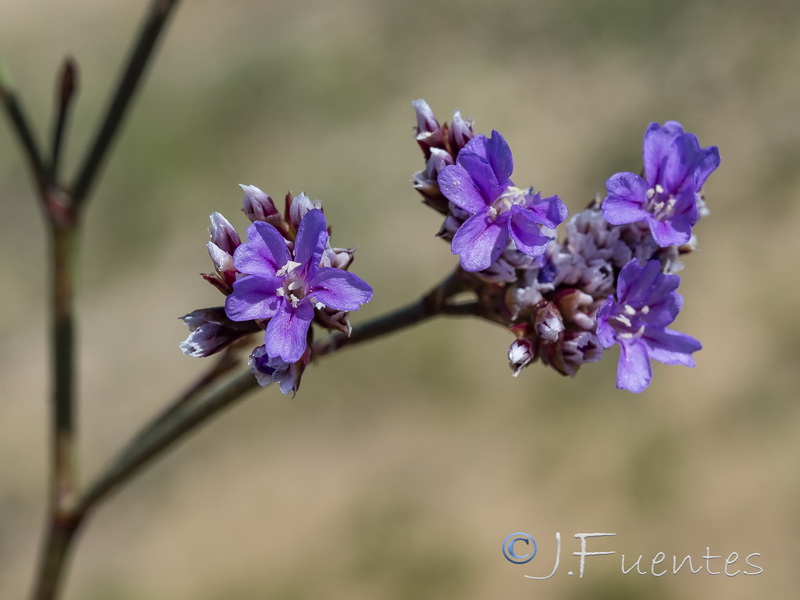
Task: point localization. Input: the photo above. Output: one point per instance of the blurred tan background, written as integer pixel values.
(401, 466)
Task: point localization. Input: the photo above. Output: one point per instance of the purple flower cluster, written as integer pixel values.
(610, 279)
(284, 276)
(283, 286)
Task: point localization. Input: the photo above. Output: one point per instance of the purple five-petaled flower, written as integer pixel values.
(479, 184)
(285, 286)
(637, 320)
(675, 168)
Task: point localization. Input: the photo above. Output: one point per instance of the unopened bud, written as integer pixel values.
(338, 258)
(298, 208)
(427, 182)
(274, 370)
(429, 132)
(223, 261)
(460, 131)
(211, 331)
(336, 320)
(520, 355)
(223, 235)
(257, 205)
(426, 120)
(547, 322)
(579, 347)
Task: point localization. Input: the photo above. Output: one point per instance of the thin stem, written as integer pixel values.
(159, 436)
(20, 125)
(62, 522)
(67, 84)
(126, 88)
(226, 362)
(62, 212)
(60, 533)
(63, 343)
(431, 304)
(190, 412)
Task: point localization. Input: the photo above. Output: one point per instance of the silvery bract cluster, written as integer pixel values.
(610, 279)
(284, 276)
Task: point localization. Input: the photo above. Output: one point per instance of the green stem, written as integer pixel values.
(62, 210)
(160, 435)
(62, 523)
(125, 91)
(191, 411)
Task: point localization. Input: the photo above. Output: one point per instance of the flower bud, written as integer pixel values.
(223, 235)
(223, 261)
(429, 132)
(460, 132)
(298, 208)
(274, 370)
(211, 331)
(257, 205)
(520, 355)
(547, 322)
(579, 347)
(427, 182)
(338, 258)
(333, 319)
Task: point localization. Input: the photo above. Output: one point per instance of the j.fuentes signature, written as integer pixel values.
(520, 548)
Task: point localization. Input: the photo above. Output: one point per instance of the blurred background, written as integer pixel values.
(401, 466)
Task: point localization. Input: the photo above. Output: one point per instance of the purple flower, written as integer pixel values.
(646, 303)
(479, 184)
(285, 286)
(675, 168)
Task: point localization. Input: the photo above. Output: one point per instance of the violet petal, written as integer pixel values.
(633, 370)
(525, 232)
(479, 243)
(339, 289)
(312, 238)
(457, 186)
(672, 347)
(253, 297)
(286, 332)
(625, 200)
(264, 252)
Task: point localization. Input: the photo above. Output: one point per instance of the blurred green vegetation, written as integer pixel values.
(401, 466)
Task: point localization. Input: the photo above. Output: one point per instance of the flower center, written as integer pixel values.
(659, 203)
(511, 196)
(294, 287)
(628, 325)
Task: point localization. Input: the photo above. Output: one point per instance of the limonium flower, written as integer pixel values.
(285, 284)
(646, 302)
(675, 168)
(479, 184)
